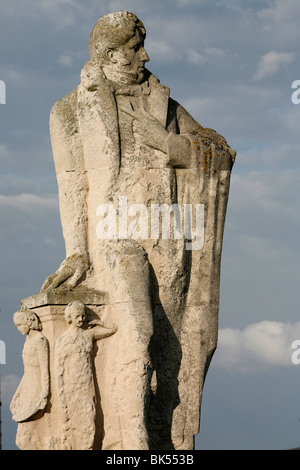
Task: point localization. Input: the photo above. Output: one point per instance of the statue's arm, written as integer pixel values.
(73, 190)
(154, 134)
(195, 133)
(179, 140)
(101, 329)
(182, 129)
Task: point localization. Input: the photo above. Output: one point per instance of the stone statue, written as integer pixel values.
(143, 192)
(75, 378)
(31, 398)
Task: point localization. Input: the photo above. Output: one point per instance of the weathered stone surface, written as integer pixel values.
(64, 296)
(45, 428)
(143, 191)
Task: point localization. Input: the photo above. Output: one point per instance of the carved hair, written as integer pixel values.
(112, 31)
(29, 318)
(70, 308)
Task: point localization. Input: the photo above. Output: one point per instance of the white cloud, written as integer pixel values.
(33, 9)
(195, 57)
(161, 51)
(63, 12)
(269, 194)
(271, 62)
(28, 202)
(215, 52)
(185, 3)
(3, 151)
(273, 156)
(13, 77)
(210, 53)
(281, 11)
(240, 110)
(280, 22)
(291, 119)
(65, 60)
(49, 241)
(262, 344)
(131, 5)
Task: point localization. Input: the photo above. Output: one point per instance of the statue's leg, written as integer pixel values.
(80, 429)
(169, 271)
(125, 394)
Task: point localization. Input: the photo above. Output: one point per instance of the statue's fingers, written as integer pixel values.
(48, 282)
(130, 112)
(60, 278)
(72, 281)
(54, 280)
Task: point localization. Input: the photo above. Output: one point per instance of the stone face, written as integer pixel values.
(143, 191)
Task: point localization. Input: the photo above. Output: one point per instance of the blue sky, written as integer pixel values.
(231, 64)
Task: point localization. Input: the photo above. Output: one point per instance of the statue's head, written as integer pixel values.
(75, 313)
(117, 41)
(26, 320)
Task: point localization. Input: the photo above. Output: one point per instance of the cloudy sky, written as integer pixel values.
(231, 63)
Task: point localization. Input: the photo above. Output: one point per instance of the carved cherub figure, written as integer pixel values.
(73, 365)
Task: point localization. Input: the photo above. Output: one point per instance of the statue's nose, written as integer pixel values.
(144, 55)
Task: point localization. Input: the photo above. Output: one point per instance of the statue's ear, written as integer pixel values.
(111, 55)
(117, 56)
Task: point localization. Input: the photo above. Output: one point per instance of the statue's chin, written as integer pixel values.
(122, 76)
(132, 78)
(140, 76)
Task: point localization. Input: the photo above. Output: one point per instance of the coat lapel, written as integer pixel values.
(98, 120)
(158, 100)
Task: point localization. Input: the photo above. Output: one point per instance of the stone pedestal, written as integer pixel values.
(120, 374)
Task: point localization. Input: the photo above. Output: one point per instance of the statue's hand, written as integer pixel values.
(108, 325)
(68, 274)
(152, 132)
(211, 136)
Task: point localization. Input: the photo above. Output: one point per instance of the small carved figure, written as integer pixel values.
(32, 393)
(74, 375)
(31, 397)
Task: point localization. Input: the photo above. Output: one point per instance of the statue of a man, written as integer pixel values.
(120, 141)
